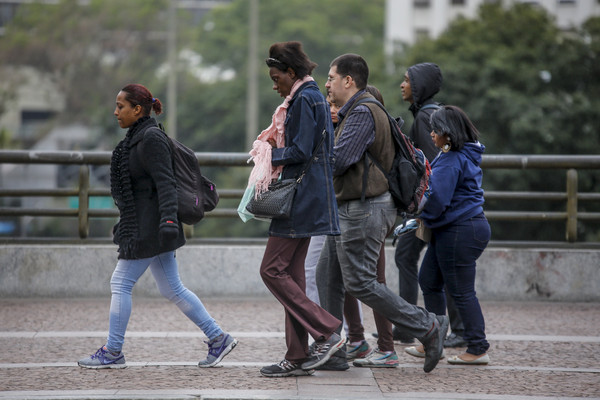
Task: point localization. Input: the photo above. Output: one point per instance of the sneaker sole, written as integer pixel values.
(375, 365)
(223, 354)
(326, 367)
(327, 356)
(106, 366)
(322, 368)
(296, 372)
(443, 331)
(359, 355)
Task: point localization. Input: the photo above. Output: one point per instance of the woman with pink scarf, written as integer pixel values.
(282, 151)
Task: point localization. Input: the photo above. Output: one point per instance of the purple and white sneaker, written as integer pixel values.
(218, 348)
(103, 359)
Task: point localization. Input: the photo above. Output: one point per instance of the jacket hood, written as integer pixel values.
(474, 151)
(425, 82)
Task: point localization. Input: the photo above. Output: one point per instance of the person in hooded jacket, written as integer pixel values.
(453, 211)
(421, 83)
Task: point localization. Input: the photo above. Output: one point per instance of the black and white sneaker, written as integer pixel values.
(337, 362)
(283, 369)
(322, 351)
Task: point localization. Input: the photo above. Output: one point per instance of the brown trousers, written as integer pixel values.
(282, 271)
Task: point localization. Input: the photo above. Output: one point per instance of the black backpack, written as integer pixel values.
(409, 176)
(196, 194)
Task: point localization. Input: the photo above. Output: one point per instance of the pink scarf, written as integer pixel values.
(263, 171)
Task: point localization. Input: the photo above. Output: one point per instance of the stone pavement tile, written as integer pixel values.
(542, 318)
(536, 368)
(530, 354)
(537, 354)
(155, 314)
(147, 378)
(265, 314)
(489, 381)
(44, 350)
(545, 354)
(352, 383)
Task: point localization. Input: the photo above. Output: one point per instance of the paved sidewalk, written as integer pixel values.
(539, 350)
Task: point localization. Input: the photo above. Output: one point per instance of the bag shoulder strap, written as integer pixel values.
(430, 106)
(314, 155)
(368, 155)
(161, 128)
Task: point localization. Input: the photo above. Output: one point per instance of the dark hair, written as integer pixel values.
(454, 122)
(375, 93)
(353, 65)
(137, 94)
(286, 55)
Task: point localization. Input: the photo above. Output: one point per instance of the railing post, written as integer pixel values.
(84, 197)
(571, 205)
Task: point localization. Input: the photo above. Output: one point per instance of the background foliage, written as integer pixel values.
(529, 87)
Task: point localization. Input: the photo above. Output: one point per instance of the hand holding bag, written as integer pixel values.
(278, 200)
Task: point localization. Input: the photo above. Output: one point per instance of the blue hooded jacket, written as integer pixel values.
(455, 187)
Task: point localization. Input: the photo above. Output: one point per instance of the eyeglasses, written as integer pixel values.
(334, 77)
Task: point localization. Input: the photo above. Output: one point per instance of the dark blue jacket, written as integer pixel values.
(455, 186)
(315, 210)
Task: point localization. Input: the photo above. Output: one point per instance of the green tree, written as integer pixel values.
(529, 87)
(94, 49)
(527, 84)
(326, 28)
(91, 50)
(212, 115)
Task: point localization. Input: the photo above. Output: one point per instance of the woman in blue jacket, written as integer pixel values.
(299, 124)
(460, 231)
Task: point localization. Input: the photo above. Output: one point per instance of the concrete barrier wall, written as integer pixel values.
(222, 270)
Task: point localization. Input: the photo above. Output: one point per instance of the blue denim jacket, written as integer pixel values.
(314, 210)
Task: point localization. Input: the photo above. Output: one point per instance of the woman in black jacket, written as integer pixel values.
(144, 189)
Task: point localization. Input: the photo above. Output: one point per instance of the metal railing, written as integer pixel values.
(571, 216)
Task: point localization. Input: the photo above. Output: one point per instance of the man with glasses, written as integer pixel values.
(367, 213)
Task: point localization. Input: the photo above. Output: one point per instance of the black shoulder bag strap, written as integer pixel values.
(314, 155)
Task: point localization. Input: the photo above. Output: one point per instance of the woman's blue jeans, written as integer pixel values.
(451, 260)
(165, 272)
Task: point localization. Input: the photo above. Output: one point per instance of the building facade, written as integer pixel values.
(407, 21)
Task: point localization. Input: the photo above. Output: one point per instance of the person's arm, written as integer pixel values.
(421, 135)
(157, 163)
(358, 134)
(442, 184)
(300, 142)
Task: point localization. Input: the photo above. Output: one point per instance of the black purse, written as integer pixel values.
(277, 201)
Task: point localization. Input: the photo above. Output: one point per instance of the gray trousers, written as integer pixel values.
(349, 262)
